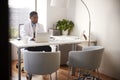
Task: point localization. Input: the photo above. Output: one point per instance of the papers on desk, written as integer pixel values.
(65, 38)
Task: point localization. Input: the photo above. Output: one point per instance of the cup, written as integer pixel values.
(25, 40)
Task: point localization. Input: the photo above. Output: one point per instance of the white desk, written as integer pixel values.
(55, 40)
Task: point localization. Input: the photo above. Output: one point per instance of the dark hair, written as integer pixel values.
(33, 13)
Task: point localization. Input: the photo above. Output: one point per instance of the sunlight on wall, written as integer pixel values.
(42, 12)
(22, 4)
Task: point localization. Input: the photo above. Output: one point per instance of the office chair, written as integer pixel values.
(20, 29)
(41, 63)
(88, 59)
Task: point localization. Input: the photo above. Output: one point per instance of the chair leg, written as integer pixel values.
(56, 75)
(79, 73)
(69, 69)
(50, 77)
(98, 74)
(23, 69)
(29, 76)
(17, 65)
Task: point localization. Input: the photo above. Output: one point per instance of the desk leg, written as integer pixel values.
(73, 69)
(19, 64)
(57, 47)
(74, 47)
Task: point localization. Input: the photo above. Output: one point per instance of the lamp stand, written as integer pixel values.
(89, 40)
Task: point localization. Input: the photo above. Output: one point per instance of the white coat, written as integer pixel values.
(27, 30)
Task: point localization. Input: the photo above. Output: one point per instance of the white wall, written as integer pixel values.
(54, 14)
(105, 16)
(42, 12)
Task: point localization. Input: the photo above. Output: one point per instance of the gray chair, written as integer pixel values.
(41, 63)
(88, 59)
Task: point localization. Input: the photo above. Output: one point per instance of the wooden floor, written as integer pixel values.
(62, 74)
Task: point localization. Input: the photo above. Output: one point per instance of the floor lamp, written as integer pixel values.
(89, 40)
(64, 3)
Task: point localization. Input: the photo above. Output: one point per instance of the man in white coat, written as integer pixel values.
(31, 28)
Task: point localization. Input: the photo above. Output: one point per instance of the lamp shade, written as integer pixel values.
(59, 3)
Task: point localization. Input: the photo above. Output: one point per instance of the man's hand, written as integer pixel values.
(33, 39)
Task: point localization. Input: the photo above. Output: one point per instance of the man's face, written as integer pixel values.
(34, 19)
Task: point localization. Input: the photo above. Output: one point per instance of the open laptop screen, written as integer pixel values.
(42, 37)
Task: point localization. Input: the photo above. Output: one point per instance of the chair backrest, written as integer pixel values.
(89, 58)
(20, 30)
(41, 63)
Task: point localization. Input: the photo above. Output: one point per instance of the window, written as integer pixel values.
(19, 14)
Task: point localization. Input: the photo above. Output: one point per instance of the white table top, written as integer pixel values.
(55, 40)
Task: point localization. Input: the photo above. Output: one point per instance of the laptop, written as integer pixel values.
(42, 37)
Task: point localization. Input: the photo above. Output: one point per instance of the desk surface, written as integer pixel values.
(55, 40)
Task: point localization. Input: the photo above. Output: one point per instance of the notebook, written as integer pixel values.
(42, 37)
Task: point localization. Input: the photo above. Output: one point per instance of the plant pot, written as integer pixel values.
(65, 32)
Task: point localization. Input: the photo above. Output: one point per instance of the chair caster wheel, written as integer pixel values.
(16, 65)
(22, 69)
(29, 76)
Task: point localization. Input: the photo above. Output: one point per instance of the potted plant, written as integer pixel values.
(13, 32)
(65, 25)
